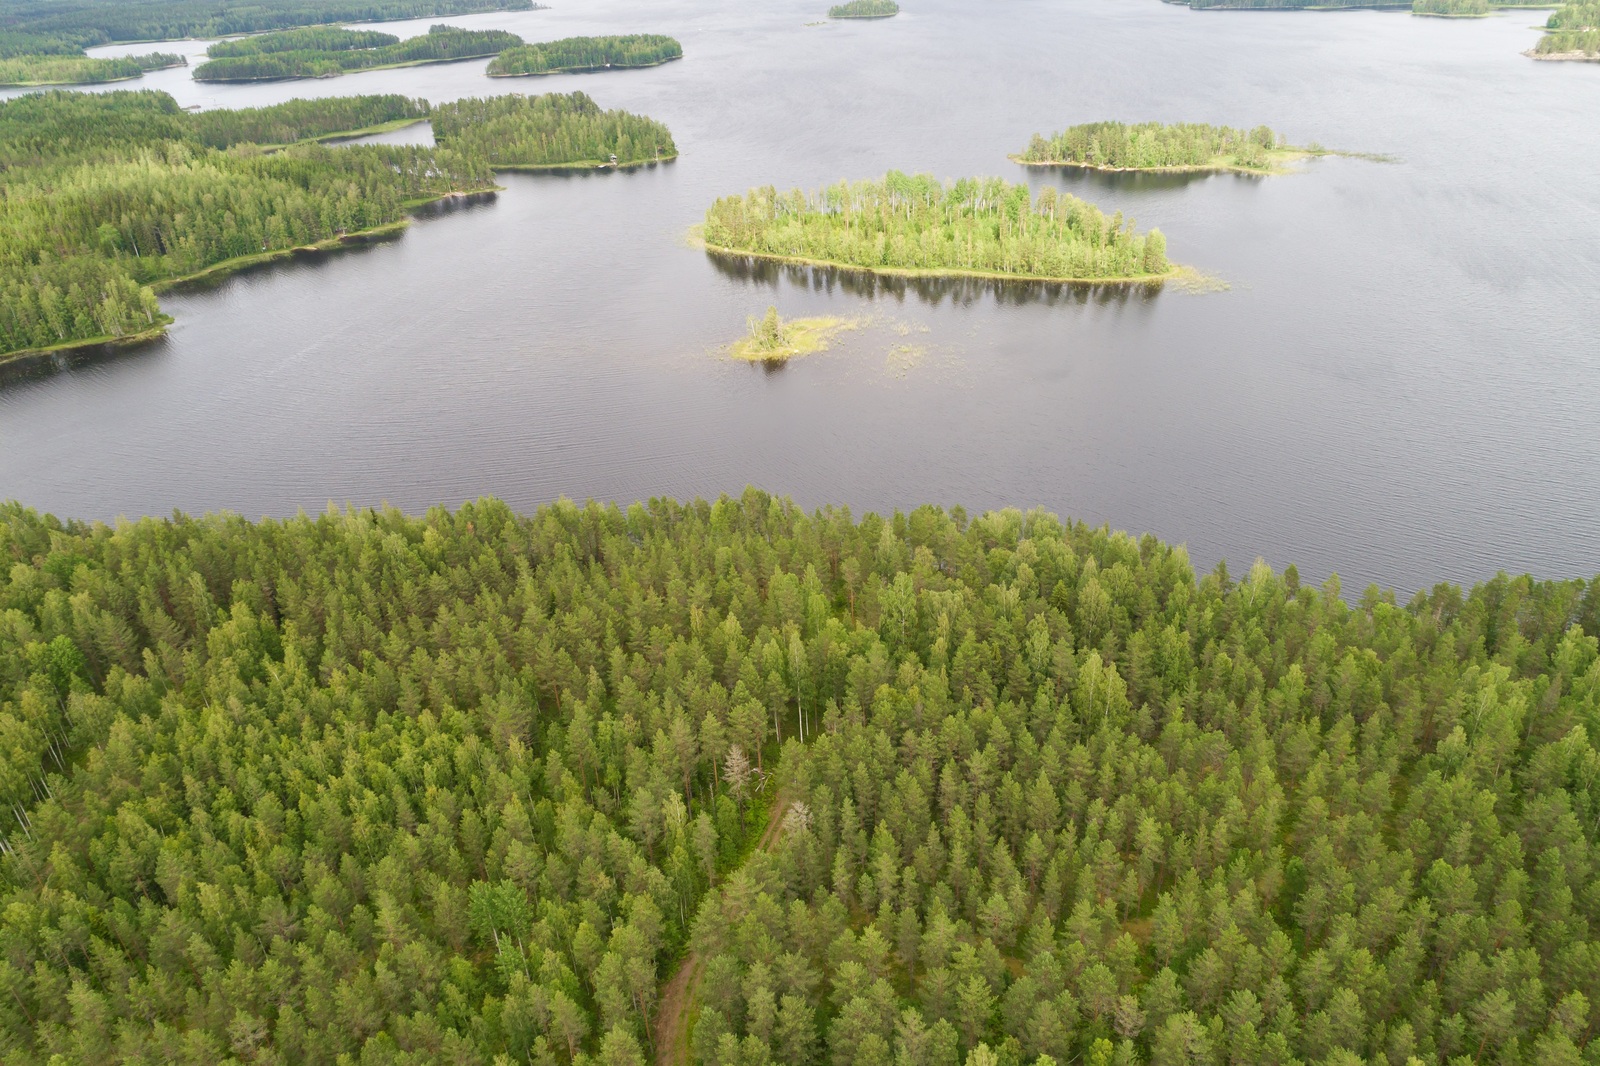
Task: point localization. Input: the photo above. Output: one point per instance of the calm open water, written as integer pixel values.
(1402, 383)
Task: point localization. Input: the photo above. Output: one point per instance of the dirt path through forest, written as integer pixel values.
(677, 995)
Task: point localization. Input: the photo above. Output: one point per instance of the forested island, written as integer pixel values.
(983, 227)
(109, 196)
(555, 130)
(1452, 8)
(925, 789)
(29, 70)
(864, 9)
(1158, 146)
(323, 52)
(1572, 32)
(583, 54)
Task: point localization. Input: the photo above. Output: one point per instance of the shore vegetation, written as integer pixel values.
(983, 226)
(66, 27)
(550, 131)
(1160, 146)
(30, 70)
(327, 52)
(582, 54)
(929, 788)
(1453, 8)
(772, 339)
(1572, 32)
(111, 196)
(864, 9)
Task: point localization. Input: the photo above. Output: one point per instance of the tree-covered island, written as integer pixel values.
(919, 789)
(325, 52)
(555, 130)
(1155, 146)
(583, 54)
(983, 227)
(1571, 33)
(31, 70)
(774, 339)
(864, 9)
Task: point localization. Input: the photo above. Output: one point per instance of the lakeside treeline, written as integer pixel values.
(573, 54)
(110, 195)
(64, 27)
(1156, 146)
(900, 222)
(324, 52)
(81, 70)
(864, 9)
(553, 130)
(1573, 29)
(463, 787)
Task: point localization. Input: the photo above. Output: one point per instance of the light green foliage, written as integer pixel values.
(1574, 28)
(556, 129)
(318, 53)
(1451, 7)
(81, 70)
(976, 225)
(864, 9)
(110, 193)
(587, 53)
(1155, 145)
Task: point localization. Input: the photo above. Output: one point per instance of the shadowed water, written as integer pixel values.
(1402, 382)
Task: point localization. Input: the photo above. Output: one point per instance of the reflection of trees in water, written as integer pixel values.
(958, 290)
(1075, 179)
(452, 204)
(44, 364)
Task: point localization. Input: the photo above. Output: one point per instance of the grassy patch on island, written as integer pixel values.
(771, 339)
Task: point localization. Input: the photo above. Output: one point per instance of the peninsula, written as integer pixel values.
(328, 51)
(916, 226)
(553, 131)
(576, 55)
(37, 70)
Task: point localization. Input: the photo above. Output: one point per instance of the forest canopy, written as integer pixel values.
(864, 9)
(81, 70)
(1572, 30)
(585, 54)
(370, 788)
(981, 226)
(321, 53)
(1158, 146)
(68, 26)
(552, 130)
(110, 194)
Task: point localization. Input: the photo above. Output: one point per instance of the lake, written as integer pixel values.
(1400, 381)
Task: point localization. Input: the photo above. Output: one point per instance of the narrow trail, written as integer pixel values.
(677, 995)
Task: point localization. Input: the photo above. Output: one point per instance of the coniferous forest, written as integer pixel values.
(553, 130)
(408, 790)
(585, 54)
(81, 70)
(325, 52)
(905, 223)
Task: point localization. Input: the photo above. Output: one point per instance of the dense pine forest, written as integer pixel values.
(1157, 146)
(68, 26)
(554, 130)
(464, 787)
(982, 226)
(864, 9)
(81, 70)
(585, 54)
(322, 53)
(1572, 30)
(109, 196)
